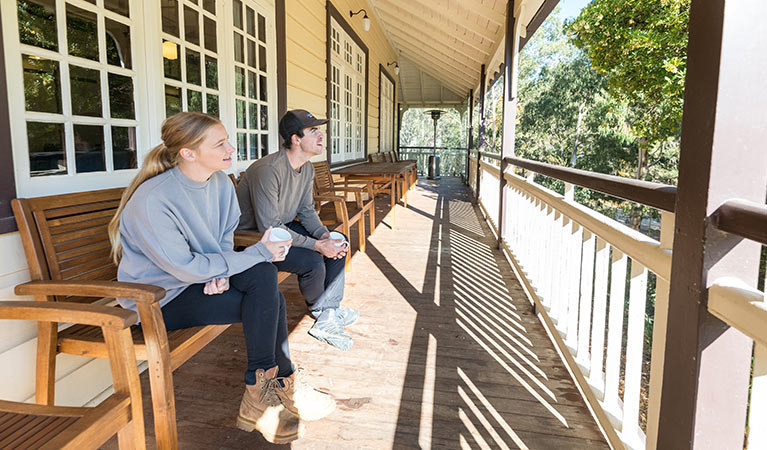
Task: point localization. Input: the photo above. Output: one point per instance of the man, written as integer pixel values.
(278, 188)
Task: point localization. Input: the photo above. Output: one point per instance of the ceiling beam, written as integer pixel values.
(475, 8)
(448, 67)
(428, 15)
(430, 70)
(464, 66)
(437, 71)
(420, 36)
(479, 29)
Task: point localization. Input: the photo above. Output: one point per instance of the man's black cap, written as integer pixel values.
(296, 120)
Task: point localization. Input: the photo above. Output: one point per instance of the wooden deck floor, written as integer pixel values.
(447, 353)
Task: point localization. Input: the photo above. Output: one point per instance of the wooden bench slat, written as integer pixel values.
(75, 235)
(64, 222)
(81, 246)
(106, 273)
(98, 253)
(93, 205)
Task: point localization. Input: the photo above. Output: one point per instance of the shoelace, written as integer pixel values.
(269, 392)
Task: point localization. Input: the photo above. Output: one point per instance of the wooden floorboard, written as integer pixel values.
(447, 352)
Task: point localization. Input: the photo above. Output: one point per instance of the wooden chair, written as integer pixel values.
(377, 157)
(24, 425)
(233, 179)
(412, 173)
(334, 208)
(68, 254)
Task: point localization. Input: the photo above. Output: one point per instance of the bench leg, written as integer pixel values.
(45, 378)
(160, 378)
(122, 360)
(372, 215)
(361, 231)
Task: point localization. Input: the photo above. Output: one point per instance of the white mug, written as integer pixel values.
(337, 235)
(278, 235)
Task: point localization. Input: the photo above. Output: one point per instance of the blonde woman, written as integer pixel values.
(174, 229)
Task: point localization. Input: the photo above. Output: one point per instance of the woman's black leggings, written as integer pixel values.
(254, 300)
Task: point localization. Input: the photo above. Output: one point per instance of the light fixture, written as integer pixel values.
(169, 50)
(365, 18)
(396, 67)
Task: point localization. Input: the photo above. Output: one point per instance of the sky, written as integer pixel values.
(571, 8)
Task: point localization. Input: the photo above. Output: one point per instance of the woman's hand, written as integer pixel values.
(278, 249)
(216, 286)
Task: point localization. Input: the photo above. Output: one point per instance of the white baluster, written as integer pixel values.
(757, 417)
(612, 403)
(631, 434)
(576, 246)
(586, 292)
(596, 378)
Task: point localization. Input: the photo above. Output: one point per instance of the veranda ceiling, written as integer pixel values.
(443, 43)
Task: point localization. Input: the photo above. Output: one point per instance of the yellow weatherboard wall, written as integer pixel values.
(306, 34)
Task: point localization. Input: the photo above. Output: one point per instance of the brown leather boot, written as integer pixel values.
(304, 400)
(263, 410)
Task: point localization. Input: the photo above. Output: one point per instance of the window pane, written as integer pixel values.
(210, 34)
(253, 144)
(46, 149)
(264, 118)
(251, 20)
(118, 44)
(193, 100)
(252, 53)
(262, 87)
(171, 63)
(211, 73)
(86, 91)
(262, 58)
(242, 150)
(172, 100)
(212, 105)
(252, 116)
(252, 76)
(209, 5)
(261, 28)
(241, 122)
(238, 50)
(193, 74)
(121, 96)
(237, 9)
(124, 148)
(89, 148)
(170, 16)
(118, 6)
(42, 90)
(191, 26)
(37, 23)
(81, 33)
(239, 81)
(264, 145)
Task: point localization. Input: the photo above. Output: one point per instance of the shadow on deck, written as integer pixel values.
(447, 353)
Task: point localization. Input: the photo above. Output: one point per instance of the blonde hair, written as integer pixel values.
(183, 130)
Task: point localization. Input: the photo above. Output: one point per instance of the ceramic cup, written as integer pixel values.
(337, 235)
(277, 235)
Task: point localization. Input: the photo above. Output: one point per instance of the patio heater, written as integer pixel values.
(433, 171)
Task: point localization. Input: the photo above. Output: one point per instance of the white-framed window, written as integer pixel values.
(254, 65)
(347, 96)
(90, 81)
(74, 73)
(386, 110)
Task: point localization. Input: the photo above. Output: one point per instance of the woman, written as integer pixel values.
(174, 229)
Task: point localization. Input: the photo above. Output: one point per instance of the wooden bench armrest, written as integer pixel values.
(140, 293)
(96, 315)
(246, 238)
(329, 198)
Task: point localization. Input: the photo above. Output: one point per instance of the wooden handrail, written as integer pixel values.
(494, 156)
(660, 196)
(742, 218)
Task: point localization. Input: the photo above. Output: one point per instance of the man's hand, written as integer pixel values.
(327, 248)
(216, 286)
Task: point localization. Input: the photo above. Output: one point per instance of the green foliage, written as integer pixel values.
(641, 46)
(418, 129)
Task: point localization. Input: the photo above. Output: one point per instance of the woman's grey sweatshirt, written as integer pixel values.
(176, 232)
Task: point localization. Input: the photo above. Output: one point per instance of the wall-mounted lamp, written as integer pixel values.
(396, 67)
(365, 19)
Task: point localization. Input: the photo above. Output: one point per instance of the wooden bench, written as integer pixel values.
(68, 254)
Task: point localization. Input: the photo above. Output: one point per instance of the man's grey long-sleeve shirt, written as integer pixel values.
(176, 232)
(271, 193)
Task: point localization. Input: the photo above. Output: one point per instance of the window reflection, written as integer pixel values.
(124, 148)
(170, 17)
(212, 105)
(82, 39)
(193, 100)
(86, 91)
(118, 44)
(89, 148)
(37, 23)
(42, 91)
(46, 149)
(121, 96)
(172, 100)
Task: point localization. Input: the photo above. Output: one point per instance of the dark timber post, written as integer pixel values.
(706, 365)
(481, 131)
(509, 111)
(471, 132)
